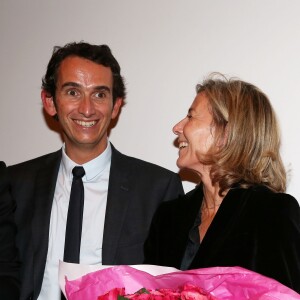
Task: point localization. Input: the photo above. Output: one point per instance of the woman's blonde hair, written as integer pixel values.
(246, 144)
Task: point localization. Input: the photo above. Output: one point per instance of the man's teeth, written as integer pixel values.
(183, 145)
(85, 124)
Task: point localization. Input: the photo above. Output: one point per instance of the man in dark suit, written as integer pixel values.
(9, 264)
(83, 90)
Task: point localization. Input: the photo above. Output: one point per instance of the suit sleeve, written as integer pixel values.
(174, 189)
(151, 246)
(9, 265)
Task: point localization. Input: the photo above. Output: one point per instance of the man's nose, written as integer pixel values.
(87, 106)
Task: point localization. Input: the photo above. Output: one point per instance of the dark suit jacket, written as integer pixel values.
(135, 190)
(9, 264)
(254, 228)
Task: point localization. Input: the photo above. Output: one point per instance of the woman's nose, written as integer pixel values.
(177, 129)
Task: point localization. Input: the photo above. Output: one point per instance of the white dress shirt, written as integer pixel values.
(95, 183)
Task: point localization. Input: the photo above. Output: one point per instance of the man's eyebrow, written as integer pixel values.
(75, 84)
(70, 83)
(101, 88)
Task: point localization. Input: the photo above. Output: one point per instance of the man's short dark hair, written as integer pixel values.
(100, 54)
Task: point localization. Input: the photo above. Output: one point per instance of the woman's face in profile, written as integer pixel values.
(195, 134)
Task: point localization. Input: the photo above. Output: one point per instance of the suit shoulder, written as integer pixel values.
(35, 162)
(139, 164)
(148, 165)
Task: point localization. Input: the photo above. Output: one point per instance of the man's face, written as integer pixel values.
(84, 106)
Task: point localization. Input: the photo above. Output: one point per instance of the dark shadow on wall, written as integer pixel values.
(189, 176)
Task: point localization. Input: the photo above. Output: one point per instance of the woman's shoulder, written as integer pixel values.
(178, 215)
(195, 195)
(272, 203)
(268, 196)
(183, 205)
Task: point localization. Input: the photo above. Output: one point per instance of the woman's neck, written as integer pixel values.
(211, 197)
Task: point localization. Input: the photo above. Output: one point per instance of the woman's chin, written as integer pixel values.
(183, 165)
(179, 163)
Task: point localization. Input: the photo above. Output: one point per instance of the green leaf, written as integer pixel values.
(142, 291)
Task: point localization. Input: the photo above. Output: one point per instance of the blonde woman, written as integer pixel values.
(238, 215)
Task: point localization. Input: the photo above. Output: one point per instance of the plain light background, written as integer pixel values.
(165, 47)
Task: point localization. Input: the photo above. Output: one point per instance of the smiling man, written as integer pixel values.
(84, 105)
(84, 90)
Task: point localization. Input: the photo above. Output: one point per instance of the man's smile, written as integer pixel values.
(85, 123)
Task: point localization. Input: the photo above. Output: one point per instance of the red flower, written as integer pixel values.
(187, 292)
(113, 294)
(191, 292)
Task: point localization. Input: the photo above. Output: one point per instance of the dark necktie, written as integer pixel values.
(74, 220)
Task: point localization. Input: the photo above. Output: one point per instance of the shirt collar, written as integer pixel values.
(92, 168)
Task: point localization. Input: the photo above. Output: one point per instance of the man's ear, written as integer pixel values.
(48, 103)
(116, 108)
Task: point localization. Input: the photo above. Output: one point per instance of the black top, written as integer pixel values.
(253, 228)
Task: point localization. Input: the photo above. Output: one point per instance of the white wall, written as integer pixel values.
(164, 47)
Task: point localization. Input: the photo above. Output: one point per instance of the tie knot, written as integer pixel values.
(78, 172)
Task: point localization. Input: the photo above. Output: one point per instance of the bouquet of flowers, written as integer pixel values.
(147, 282)
(187, 292)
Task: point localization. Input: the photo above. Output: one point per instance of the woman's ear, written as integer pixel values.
(48, 103)
(224, 138)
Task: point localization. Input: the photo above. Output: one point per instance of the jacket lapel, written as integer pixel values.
(45, 186)
(224, 222)
(118, 198)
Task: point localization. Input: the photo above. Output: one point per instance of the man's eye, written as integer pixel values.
(100, 95)
(189, 116)
(72, 93)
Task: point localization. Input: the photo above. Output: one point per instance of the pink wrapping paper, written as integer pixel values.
(228, 283)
